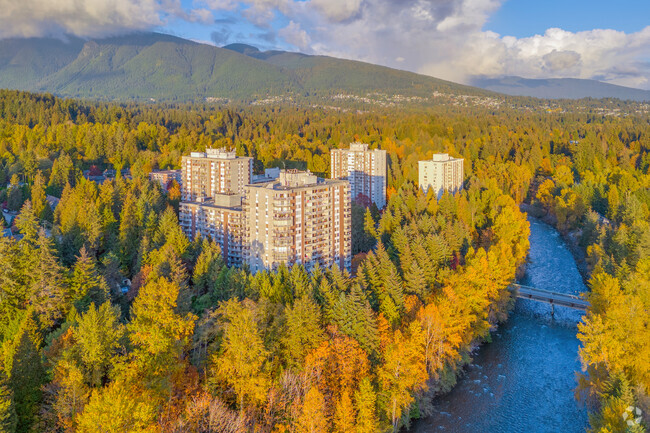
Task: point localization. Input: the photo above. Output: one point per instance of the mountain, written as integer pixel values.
(165, 67)
(559, 88)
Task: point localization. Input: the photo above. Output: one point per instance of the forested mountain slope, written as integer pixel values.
(164, 67)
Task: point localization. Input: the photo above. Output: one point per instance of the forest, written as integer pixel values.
(195, 346)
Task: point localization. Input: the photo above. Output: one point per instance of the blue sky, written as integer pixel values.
(519, 18)
(523, 18)
(450, 39)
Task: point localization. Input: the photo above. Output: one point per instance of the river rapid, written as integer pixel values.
(524, 380)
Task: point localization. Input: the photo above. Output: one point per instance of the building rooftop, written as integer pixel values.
(359, 147)
(221, 153)
(229, 201)
(291, 179)
(443, 157)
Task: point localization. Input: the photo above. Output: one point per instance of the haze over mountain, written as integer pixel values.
(560, 88)
(159, 66)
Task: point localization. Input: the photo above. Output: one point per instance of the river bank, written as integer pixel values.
(524, 379)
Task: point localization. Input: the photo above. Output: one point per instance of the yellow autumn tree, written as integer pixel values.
(312, 416)
(403, 372)
(241, 362)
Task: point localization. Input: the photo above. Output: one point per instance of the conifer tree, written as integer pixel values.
(98, 336)
(62, 175)
(86, 285)
(207, 267)
(129, 234)
(344, 416)
(38, 199)
(242, 360)
(27, 223)
(159, 334)
(8, 418)
(365, 402)
(414, 281)
(48, 289)
(26, 374)
(303, 332)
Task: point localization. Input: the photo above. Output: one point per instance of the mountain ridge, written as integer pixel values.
(156, 66)
(165, 67)
(559, 88)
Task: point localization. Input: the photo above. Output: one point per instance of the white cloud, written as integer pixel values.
(338, 10)
(295, 36)
(443, 38)
(30, 18)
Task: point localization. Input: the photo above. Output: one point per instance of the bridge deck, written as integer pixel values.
(553, 298)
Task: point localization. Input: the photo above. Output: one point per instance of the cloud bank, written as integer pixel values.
(442, 38)
(90, 18)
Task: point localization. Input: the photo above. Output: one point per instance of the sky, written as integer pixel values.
(449, 39)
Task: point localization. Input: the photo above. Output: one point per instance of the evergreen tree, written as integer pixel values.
(242, 360)
(98, 337)
(8, 418)
(26, 374)
(39, 202)
(86, 285)
(48, 289)
(302, 332)
(365, 402)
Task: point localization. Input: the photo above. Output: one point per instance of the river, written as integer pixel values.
(523, 381)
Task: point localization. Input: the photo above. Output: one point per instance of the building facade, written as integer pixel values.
(211, 197)
(221, 219)
(163, 177)
(297, 219)
(441, 173)
(364, 169)
(215, 171)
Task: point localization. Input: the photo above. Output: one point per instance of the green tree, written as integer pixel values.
(365, 399)
(86, 284)
(303, 331)
(99, 338)
(241, 362)
(160, 335)
(39, 202)
(8, 418)
(26, 373)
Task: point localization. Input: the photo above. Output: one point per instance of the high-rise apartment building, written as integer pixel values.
(215, 171)
(211, 196)
(364, 169)
(297, 218)
(221, 219)
(441, 173)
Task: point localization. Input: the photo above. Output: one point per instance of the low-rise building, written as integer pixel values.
(163, 177)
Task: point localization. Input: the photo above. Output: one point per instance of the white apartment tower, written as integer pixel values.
(211, 196)
(297, 218)
(215, 171)
(441, 173)
(364, 169)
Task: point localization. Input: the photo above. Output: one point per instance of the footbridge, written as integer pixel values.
(553, 298)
